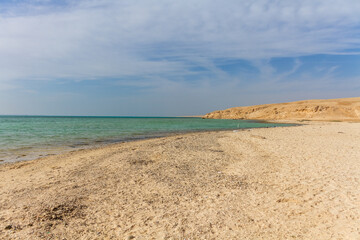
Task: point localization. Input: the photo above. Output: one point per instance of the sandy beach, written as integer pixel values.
(278, 183)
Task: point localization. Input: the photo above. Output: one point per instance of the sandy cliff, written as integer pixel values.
(343, 109)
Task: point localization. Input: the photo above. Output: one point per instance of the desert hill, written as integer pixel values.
(342, 109)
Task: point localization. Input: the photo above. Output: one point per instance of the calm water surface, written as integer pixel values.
(30, 137)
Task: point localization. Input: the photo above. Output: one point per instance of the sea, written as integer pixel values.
(30, 137)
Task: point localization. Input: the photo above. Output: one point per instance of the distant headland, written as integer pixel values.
(342, 109)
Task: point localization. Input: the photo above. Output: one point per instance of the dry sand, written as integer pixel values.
(280, 183)
(341, 109)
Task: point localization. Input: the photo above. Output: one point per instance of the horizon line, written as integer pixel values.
(104, 116)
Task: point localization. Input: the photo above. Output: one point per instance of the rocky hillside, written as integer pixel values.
(344, 109)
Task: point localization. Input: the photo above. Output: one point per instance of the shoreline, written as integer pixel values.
(65, 148)
(268, 183)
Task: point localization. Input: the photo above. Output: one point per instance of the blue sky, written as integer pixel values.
(171, 58)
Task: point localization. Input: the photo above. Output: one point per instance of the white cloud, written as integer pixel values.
(103, 38)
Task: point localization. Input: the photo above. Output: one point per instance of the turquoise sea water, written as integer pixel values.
(30, 137)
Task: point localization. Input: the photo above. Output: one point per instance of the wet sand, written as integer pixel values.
(279, 183)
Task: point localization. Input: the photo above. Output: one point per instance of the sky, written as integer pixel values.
(174, 58)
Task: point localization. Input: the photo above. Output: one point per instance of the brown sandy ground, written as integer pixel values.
(280, 183)
(341, 109)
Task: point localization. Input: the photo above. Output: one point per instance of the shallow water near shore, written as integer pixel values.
(30, 137)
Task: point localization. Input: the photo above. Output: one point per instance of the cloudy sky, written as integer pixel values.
(171, 58)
